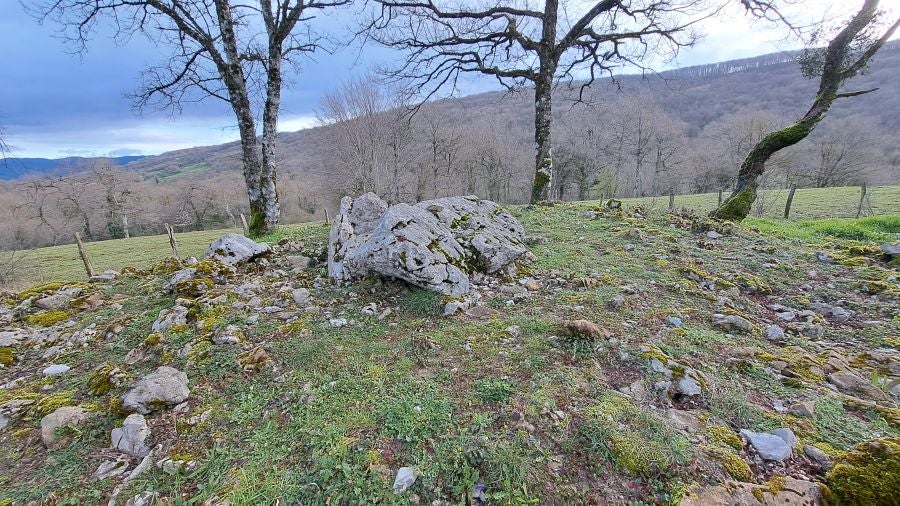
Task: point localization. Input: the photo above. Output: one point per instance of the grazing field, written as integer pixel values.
(834, 205)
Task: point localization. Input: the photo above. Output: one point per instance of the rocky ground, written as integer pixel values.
(627, 358)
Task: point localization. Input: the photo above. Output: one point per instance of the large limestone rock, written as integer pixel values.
(435, 244)
(234, 249)
(162, 388)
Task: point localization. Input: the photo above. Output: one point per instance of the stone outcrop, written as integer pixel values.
(435, 244)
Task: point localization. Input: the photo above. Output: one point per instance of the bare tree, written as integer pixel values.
(220, 49)
(842, 156)
(520, 44)
(116, 195)
(847, 54)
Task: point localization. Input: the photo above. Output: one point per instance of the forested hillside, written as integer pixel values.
(685, 130)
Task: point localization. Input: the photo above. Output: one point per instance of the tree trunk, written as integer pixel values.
(738, 205)
(235, 80)
(268, 188)
(125, 230)
(543, 106)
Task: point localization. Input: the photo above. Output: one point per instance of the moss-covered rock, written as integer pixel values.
(46, 318)
(867, 474)
(724, 435)
(104, 378)
(733, 464)
(7, 356)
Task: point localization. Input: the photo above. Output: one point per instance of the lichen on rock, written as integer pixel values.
(435, 244)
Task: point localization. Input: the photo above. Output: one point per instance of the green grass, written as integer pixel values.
(809, 203)
(817, 213)
(871, 228)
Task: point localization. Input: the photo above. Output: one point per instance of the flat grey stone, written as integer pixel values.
(768, 446)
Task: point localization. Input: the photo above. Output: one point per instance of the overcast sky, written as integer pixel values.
(55, 104)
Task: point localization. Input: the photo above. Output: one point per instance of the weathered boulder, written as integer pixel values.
(234, 249)
(131, 437)
(60, 418)
(435, 244)
(162, 388)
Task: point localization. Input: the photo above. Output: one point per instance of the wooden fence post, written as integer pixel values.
(327, 221)
(244, 224)
(862, 199)
(170, 230)
(720, 197)
(790, 200)
(671, 200)
(84, 256)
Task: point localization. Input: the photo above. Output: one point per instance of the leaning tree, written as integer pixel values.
(531, 43)
(228, 50)
(846, 55)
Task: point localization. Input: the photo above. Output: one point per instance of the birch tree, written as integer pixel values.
(847, 54)
(220, 49)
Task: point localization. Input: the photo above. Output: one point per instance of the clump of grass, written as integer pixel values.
(731, 406)
(414, 418)
(494, 390)
(836, 427)
(422, 302)
(632, 438)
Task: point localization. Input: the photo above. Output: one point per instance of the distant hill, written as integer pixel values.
(697, 96)
(15, 168)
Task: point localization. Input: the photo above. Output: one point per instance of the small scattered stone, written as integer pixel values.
(787, 435)
(406, 478)
(300, 296)
(56, 370)
(616, 302)
(298, 262)
(774, 333)
(732, 322)
(820, 458)
(806, 409)
(582, 328)
(234, 249)
(850, 383)
(131, 437)
(337, 322)
(675, 321)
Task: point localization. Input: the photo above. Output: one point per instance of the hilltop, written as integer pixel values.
(624, 363)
